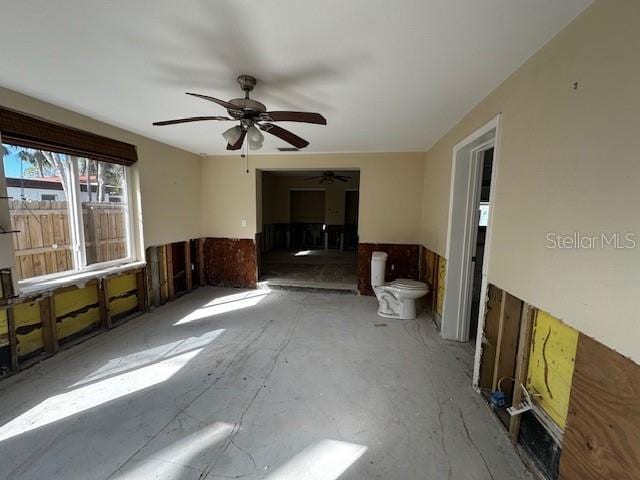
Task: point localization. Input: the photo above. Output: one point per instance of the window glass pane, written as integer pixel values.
(38, 182)
(104, 210)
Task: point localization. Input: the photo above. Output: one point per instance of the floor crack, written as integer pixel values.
(466, 429)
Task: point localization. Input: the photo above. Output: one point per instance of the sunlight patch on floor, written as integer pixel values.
(228, 303)
(80, 400)
(138, 359)
(171, 461)
(325, 460)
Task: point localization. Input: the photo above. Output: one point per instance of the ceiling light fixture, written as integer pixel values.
(232, 135)
(255, 138)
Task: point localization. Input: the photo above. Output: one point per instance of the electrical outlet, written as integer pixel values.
(243, 223)
(393, 267)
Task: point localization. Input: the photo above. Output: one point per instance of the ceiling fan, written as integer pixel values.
(253, 117)
(329, 177)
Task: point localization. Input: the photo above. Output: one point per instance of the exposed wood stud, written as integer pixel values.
(507, 342)
(154, 276)
(142, 290)
(170, 287)
(490, 336)
(522, 364)
(13, 340)
(103, 301)
(187, 265)
(162, 270)
(49, 327)
(201, 261)
(496, 361)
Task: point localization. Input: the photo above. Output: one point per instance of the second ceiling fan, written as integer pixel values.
(253, 118)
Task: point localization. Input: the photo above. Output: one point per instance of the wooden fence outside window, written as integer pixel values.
(44, 245)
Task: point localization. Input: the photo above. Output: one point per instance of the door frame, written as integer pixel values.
(464, 194)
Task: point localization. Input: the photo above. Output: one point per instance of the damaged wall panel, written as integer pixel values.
(5, 347)
(123, 295)
(442, 275)
(551, 363)
(77, 311)
(602, 438)
(28, 329)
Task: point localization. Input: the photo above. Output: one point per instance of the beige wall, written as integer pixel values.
(390, 192)
(276, 206)
(169, 178)
(569, 162)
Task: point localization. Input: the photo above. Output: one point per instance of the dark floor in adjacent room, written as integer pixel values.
(326, 269)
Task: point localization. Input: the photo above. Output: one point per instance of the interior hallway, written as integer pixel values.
(225, 383)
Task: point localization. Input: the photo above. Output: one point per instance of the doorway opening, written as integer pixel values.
(309, 228)
(477, 260)
(471, 213)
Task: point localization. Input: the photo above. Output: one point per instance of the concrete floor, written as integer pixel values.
(328, 269)
(226, 383)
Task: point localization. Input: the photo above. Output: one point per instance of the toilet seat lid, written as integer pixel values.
(408, 284)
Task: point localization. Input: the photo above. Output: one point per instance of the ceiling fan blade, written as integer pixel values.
(238, 144)
(189, 119)
(342, 179)
(227, 105)
(285, 135)
(313, 178)
(304, 117)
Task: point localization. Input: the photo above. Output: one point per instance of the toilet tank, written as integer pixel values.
(378, 265)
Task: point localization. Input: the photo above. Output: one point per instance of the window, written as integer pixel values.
(63, 207)
(483, 219)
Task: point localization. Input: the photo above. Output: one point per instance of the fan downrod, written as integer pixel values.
(247, 82)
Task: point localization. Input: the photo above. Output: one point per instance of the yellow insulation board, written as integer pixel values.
(82, 301)
(28, 315)
(442, 275)
(551, 363)
(4, 330)
(118, 287)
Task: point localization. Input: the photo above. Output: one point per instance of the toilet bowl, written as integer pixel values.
(396, 299)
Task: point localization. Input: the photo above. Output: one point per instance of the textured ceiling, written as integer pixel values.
(388, 76)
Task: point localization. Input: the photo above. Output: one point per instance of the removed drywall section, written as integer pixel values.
(442, 277)
(567, 161)
(402, 262)
(77, 311)
(231, 262)
(28, 325)
(5, 345)
(602, 438)
(433, 269)
(551, 363)
(123, 295)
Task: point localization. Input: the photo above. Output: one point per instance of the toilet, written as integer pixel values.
(396, 299)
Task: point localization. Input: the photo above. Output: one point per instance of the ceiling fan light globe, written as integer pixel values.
(255, 145)
(255, 135)
(232, 135)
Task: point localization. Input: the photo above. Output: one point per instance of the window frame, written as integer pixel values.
(76, 227)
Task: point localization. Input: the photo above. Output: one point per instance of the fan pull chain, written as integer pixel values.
(244, 153)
